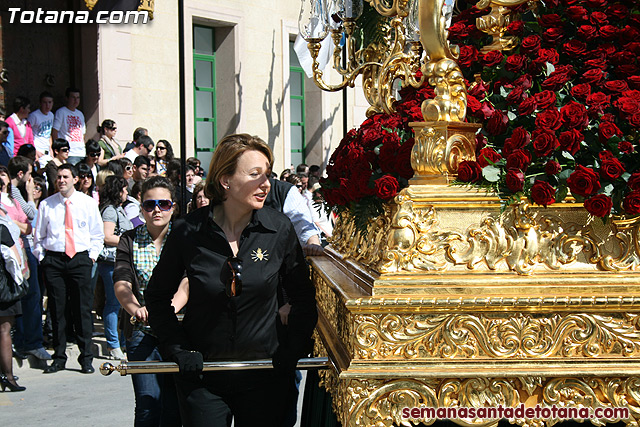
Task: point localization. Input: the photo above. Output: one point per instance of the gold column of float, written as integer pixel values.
(450, 300)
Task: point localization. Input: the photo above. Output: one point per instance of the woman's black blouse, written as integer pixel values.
(241, 327)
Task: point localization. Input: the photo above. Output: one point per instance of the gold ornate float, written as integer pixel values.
(449, 300)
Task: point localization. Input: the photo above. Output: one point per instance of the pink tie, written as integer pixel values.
(69, 245)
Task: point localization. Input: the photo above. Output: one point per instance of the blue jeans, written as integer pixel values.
(156, 399)
(111, 306)
(29, 326)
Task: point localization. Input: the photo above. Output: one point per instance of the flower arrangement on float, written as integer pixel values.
(560, 114)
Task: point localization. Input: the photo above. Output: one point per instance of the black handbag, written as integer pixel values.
(9, 290)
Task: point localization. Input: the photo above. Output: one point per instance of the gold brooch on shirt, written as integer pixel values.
(259, 255)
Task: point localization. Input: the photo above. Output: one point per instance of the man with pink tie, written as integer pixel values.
(68, 239)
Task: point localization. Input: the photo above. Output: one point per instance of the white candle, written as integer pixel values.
(348, 5)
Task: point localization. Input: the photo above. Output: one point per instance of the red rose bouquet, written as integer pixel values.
(561, 111)
(372, 163)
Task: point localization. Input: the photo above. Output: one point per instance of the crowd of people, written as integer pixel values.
(78, 213)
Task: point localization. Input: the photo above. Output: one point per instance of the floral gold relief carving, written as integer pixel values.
(469, 336)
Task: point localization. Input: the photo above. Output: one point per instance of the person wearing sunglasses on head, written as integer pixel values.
(127, 168)
(236, 254)
(60, 148)
(137, 255)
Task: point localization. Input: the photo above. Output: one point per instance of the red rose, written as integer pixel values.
(608, 117)
(605, 155)
(481, 142)
(458, 30)
(575, 48)
(629, 33)
(553, 35)
(598, 18)
(516, 28)
(631, 203)
(596, 3)
(478, 89)
(616, 85)
(515, 96)
(549, 119)
(519, 139)
(599, 63)
(627, 106)
(633, 94)
(597, 102)
(576, 13)
(550, 20)
(545, 99)
(628, 70)
(617, 12)
(493, 58)
(599, 205)
(527, 106)
(608, 32)
(607, 130)
(403, 159)
(632, 48)
(570, 141)
(468, 55)
(487, 110)
(552, 167)
(581, 91)
(475, 107)
(548, 55)
(625, 147)
(358, 185)
(634, 181)
(587, 32)
(519, 159)
(487, 154)
(574, 115)
(530, 44)
(544, 142)
(469, 171)
(611, 169)
(497, 124)
(514, 180)
(559, 77)
(583, 181)
(387, 156)
(542, 193)
(386, 187)
(593, 76)
(634, 120)
(516, 63)
(524, 82)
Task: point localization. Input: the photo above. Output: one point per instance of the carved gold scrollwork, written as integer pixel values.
(440, 148)
(469, 336)
(627, 235)
(397, 7)
(379, 403)
(450, 102)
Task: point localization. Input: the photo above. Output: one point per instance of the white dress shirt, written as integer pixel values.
(88, 229)
(296, 208)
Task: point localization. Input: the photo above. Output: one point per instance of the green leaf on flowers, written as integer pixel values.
(608, 189)
(564, 174)
(511, 115)
(503, 92)
(491, 173)
(567, 155)
(550, 68)
(561, 194)
(626, 176)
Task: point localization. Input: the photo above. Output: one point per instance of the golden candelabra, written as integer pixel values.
(448, 299)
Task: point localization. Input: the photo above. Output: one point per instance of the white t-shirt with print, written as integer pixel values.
(41, 125)
(70, 126)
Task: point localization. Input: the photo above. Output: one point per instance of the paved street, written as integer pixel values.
(69, 398)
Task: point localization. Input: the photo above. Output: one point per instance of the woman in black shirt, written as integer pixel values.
(235, 254)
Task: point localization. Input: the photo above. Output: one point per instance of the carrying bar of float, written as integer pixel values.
(126, 368)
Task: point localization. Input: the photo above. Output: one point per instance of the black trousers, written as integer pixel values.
(253, 398)
(69, 278)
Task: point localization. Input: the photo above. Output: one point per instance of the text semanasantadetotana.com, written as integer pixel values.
(40, 16)
(498, 412)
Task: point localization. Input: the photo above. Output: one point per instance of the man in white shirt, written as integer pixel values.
(143, 147)
(41, 123)
(68, 238)
(69, 124)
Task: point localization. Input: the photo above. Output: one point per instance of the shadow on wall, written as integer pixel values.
(234, 123)
(273, 129)
(316, 138)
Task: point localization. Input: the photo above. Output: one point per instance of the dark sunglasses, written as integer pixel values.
(128, 168)
(84, 175)
(233, 284)
(94, 154)
(150, 204)
(64, 150)
(161, 148)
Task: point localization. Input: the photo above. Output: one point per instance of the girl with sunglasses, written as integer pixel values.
(112, 195)
(235, 254)
(111, 148)
(164, 154)
(137, 255)
(86, 183)
(60, 148)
